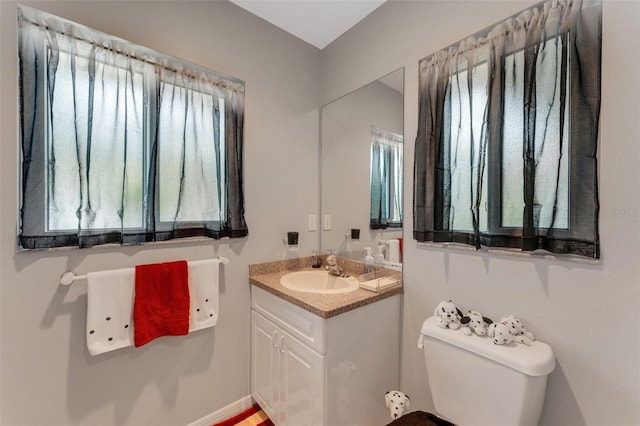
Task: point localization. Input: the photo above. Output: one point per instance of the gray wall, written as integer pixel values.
(589, 314)
(47, 375)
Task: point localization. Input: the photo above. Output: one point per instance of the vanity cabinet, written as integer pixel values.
(307, 370)
(286, 377)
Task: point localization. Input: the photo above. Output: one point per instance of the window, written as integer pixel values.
(386, 179)
(507, 136)
(100, 170)
(121, 144)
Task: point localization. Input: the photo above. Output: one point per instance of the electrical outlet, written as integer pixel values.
(312, 224)
(326, 222)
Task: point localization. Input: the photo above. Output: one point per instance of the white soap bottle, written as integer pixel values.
(379, 257)
(368, 261)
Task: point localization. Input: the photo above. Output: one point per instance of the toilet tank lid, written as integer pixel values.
(534, 360)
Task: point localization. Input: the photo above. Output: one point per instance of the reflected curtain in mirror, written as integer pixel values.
(386, 179)
(505, 154)
(121, 144)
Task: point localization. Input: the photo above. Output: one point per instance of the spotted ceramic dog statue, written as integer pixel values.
(397, 403)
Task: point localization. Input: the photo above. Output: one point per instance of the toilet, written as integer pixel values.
(476, 382)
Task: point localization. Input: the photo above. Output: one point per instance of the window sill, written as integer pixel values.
(538, 254)
(177, 242)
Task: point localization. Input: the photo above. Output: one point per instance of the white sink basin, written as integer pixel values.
(319, 282)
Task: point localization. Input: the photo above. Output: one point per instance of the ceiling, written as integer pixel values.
(318, 22)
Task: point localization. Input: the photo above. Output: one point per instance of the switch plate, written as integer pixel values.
(326, 222)
(312, 224)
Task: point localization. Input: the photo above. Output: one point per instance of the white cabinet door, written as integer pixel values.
(265, 357)
(287, 377)
(302, 373)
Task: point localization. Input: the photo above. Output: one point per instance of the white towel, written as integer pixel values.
(393, 250)
(110, 297)
(110, 310)
(203, 291)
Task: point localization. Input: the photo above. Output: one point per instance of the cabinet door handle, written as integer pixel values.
(273, 339)
(281, 343)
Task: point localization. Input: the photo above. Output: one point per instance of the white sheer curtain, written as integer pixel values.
(121, 144)
(508, 128)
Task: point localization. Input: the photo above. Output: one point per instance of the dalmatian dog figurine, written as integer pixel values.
(510, 329)
(397, 403)
(447, 315)
(518, 330)
(474, 322)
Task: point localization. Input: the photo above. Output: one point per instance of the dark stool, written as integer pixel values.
(420, 418)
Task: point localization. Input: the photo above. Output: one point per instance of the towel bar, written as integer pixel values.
(69, 277)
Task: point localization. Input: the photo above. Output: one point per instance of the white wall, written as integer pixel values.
(589, 314)
(47, 375)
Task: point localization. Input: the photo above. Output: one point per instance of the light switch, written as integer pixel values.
(326, 222)
(312, 222)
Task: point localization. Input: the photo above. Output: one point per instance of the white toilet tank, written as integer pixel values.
(476, 382)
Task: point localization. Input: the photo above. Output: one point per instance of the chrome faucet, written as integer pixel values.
(334, 268)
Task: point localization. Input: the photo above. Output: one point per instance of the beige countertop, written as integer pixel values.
(267, 276)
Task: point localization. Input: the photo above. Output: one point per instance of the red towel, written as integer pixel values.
(161, 303)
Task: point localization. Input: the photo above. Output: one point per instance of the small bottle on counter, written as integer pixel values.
(368, 261)
(379, 257)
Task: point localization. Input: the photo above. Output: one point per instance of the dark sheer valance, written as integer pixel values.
(121, 144)
(506, 150)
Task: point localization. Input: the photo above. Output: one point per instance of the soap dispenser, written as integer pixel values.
(379, 257)
(368, 261)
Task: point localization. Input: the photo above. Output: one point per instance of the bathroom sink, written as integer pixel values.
(319, 282)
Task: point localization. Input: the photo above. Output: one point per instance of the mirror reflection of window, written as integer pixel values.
(386, 179)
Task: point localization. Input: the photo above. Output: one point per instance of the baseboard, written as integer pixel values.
(224, 413)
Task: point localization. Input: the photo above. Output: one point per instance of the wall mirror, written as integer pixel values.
(361, 170)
